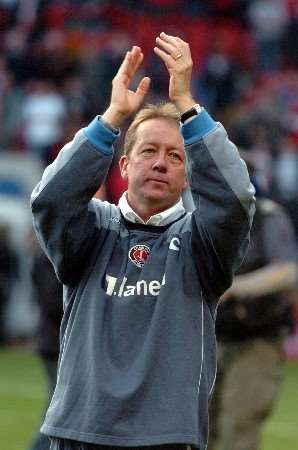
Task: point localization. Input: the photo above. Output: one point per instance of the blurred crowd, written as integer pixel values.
(58, 57)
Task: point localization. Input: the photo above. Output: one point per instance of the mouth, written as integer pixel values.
(157, 180)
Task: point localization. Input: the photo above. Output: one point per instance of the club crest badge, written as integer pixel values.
(139, 254)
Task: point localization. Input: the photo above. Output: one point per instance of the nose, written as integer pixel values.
(160, 163)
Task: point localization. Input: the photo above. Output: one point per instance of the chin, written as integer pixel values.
(160, 198)
(160, 202)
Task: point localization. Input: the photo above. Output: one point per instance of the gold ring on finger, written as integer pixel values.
(178, 56)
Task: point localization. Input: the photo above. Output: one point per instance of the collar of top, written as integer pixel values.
(160, 219)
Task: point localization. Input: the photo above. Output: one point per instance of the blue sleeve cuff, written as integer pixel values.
(197, 128)
(101, 135)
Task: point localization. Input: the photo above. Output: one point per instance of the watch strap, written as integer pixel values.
(194, 111)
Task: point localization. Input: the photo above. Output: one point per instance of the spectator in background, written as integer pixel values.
(43, 113)
(11, 97)
(16, 51)
(285, 179)
(98, 68)
(8, 272)
(48, 295)
(230, 9)
(74, 95)
(217, 84)
(290, 43)
(269, 20)
(286, 173)
(254, 317)
(26, 12)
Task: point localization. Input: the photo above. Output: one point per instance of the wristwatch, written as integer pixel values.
(190, 113)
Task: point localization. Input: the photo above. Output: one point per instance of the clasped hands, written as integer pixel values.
(175, 54)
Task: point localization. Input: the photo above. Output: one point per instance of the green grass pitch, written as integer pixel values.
(23, 392)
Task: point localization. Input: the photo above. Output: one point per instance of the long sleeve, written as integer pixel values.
(224, 202)
(62, 205)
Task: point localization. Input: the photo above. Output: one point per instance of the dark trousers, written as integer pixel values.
(65, 444)
(40, 441)
(3, 304)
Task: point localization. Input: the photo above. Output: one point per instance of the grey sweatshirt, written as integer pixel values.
(138, 351)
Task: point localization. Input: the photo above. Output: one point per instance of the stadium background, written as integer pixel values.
(57, 60)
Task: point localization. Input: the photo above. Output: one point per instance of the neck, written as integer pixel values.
(146, 209)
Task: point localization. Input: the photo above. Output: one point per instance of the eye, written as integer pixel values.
(175, 156)
(148, 151)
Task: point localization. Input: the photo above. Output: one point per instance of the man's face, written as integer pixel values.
(155, 166)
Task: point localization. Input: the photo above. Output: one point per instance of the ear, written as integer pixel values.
(123, 162)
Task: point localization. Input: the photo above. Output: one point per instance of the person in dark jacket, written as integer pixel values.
(8, 273)
(254, 317)
(142, 278)
(48, 295)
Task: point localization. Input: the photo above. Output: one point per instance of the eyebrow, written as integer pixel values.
(154, 144)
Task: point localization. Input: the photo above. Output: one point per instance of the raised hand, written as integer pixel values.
(175, 53)
(124, 101)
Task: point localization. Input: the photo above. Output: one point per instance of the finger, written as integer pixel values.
(168, 47)
(143, 87)
(166, 58)
(136, 59)
(171, 39)
(177, 42)
(129, 60)
(130, 64)
(125, 64)
(181, 41)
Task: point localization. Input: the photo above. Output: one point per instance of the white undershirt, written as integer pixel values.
(159, 219)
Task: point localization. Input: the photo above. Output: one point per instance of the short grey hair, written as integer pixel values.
(159, 111)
